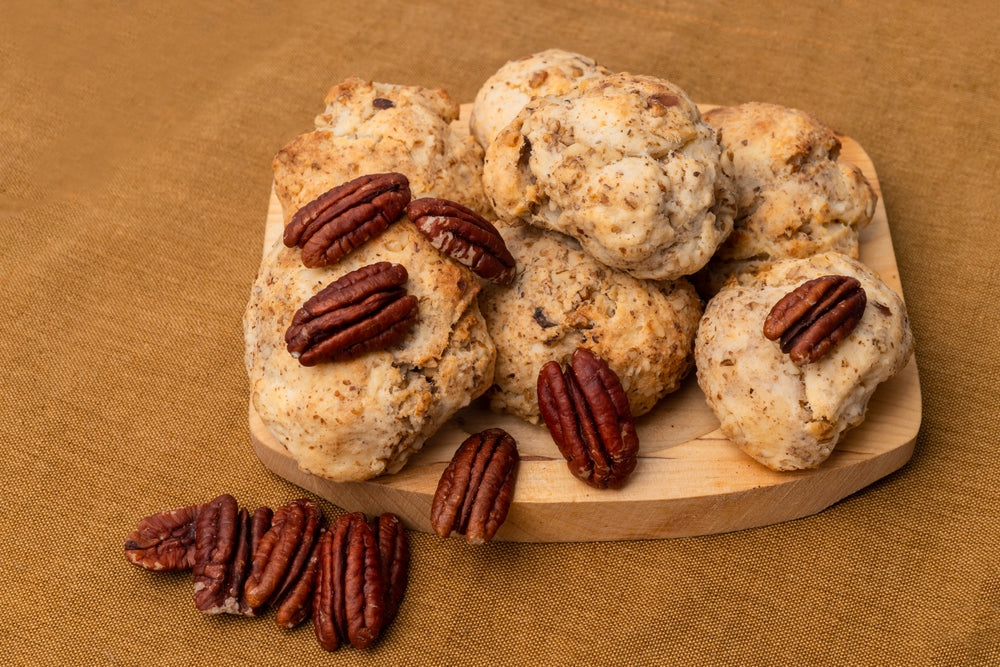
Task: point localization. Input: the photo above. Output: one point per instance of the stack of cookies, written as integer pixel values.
(632, 225)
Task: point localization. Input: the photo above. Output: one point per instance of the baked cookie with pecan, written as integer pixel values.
(626, 166)
(787, 402)
(356, 418)
(504, 94)
(353, 403)
(562, 299)
(794, 197)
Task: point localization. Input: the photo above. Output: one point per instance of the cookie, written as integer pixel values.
(503, 95)
(794, 198)
(784, 415)
(370, 128)
(561, 299)
(355, 419)
(626, 166)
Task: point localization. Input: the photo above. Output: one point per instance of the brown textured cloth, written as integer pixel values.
(134, 179)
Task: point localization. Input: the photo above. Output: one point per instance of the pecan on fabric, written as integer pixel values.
(296, 605)
(341, 219)
(465, 236)
(588, 416)
(164, 541)
(348, 601)
(364, 310)
(282, 552)
(394, 550)
(811, 319)
(324, 624)
(233, 601)
(474, 493)
(216, 534)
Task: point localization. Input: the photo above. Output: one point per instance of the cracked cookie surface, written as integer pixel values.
(626, 166)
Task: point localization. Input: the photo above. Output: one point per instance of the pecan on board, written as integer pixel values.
(465, 236)
(164, 541)
(341, 219)
(474, 493)
(364, 310)
(282, 552)
(349, 595)
(811, 319)
(394, 550)
(588, 416)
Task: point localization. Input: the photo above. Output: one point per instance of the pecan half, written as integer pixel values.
(394, 550)
(588, 416)
(465, 236)
(475, 490)
(260, 523)
(164, 541)
(282, 552)
(357, 567)
(347, 605)
(341, 219)
(234, 601)
(364, 310)
(815, 316)
(295, 606)
(216, 534)
(324, 624)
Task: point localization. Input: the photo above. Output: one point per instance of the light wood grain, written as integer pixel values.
(690, 480)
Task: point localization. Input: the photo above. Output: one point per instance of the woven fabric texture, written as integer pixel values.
(134, 180)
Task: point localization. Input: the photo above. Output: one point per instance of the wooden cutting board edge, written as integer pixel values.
(700, 487)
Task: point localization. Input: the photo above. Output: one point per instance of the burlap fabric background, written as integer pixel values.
(136, 144)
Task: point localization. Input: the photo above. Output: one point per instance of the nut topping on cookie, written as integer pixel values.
(341, 219)
(475, 490)
(815, 316)
(366, 309)
(464, 235)
(588, 415)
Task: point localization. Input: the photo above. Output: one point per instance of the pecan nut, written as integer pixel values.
(282, 552)
(465, 236)
(295, 606)
(364, 310)
(341, 219)
(474, 493)
(251, 529)
(164, 541)
(587, 413)
(815, 316)
(324, 625)
(348, 601)
(394, 550)
(233, 601)
(216, 534)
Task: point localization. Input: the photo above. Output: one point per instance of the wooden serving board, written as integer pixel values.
(690, 480)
